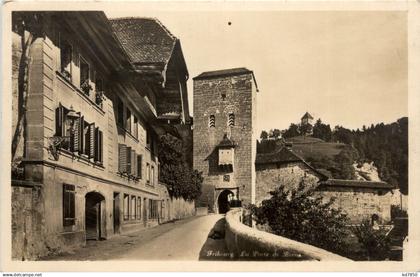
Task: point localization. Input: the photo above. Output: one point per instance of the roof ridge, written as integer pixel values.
(147, 18)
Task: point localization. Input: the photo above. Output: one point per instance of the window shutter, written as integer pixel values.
(139, 166)
(133, 162)
(68, 205)
(59, 121)
(128, 160)
(122, 163)
(92, 141)
(97, 147)
(81, 131)
(101, 143)
(75, 136)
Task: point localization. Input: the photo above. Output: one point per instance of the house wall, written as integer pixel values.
(240, 100)
(360, 203)
(271, 176)
(47, 90)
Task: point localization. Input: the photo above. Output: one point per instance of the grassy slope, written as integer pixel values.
(313, 147)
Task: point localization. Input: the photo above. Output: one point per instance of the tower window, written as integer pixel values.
(231, 120)
(212, 121)
(223, 94)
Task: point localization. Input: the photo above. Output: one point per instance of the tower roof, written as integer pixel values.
(307, 115)
(226, 142)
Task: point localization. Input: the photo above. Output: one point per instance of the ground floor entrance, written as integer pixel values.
(95, 219)
(223, 201)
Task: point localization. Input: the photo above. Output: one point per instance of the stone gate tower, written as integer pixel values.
(224, 136)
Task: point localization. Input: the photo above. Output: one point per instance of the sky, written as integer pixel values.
(348, 68)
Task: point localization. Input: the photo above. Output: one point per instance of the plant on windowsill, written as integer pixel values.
(86, 87)
(66, 74)
(56, 143)
(99, 97)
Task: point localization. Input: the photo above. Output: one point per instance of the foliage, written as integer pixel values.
(293, 131)
(396, 211)
(341, 167)
(180, 179)
(322, 131)
(375, 243)
(301, 215)
(266, 146)
(264, 135)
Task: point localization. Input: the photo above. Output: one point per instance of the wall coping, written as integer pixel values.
(274, 242)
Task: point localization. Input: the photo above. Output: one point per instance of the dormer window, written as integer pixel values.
(212, 121)
(231, 120)
(226, 153)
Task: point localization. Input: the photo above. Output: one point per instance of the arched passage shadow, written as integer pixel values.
(215, 249)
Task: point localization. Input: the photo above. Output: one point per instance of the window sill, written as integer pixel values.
(128, 133)
(81, 158)
(79, 92)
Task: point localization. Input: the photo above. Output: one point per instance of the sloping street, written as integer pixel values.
(185, 239)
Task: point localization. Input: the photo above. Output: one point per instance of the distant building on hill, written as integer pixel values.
(306, 124)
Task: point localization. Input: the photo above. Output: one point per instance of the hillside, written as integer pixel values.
(311, 148)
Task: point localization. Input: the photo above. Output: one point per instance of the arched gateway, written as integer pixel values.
(223, 201)
(95, 216)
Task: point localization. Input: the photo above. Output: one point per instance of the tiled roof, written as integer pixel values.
(356, 183)
(281, 156)
(226, 142)
(145, 40)
(224, 72)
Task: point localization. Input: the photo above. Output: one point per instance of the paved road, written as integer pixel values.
(183, 242)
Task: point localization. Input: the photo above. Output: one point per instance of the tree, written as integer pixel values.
(293, 131)
(301, 215)
(344, 162)
(275, 133)
(180, 179)
(264, 135)
(322, 131)
(375, 243)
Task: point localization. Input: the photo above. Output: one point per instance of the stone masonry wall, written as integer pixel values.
(271, 176)
(360, 203)
(208, 101)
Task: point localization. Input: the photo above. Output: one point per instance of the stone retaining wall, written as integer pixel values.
(246, 242)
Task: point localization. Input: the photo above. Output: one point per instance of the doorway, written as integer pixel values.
(116, 212)
(223, 201)
(94, 216)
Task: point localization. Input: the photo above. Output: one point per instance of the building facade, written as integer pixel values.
(224, 136)
(85, 144)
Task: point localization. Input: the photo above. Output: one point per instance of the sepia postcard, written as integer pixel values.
(210, 136)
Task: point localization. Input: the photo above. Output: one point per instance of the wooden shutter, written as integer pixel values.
(133, 162)
(81, 134)
(122, 162)
(97, 150)
(92, 141)
(100, 146)
(75, 136)
(68, 205)
(139, 166)
(60, 121)
(128, 161)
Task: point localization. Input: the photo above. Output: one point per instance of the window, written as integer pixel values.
(66, 54)
(133, 207)
(99, 88)
(138, 213)
(231, 120)
(128, 120)
(68, 205)
(126, 207)
(147, 173)
(152, 177)
(223, 94)
(127, 161)
(212, 121)
(120, 113)
(153, 209)
(139, 166)
(84, 77)
(135, 128)
(148, 139)
(79, 136)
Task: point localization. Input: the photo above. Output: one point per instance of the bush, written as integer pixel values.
(300, 215)
(375, 243)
